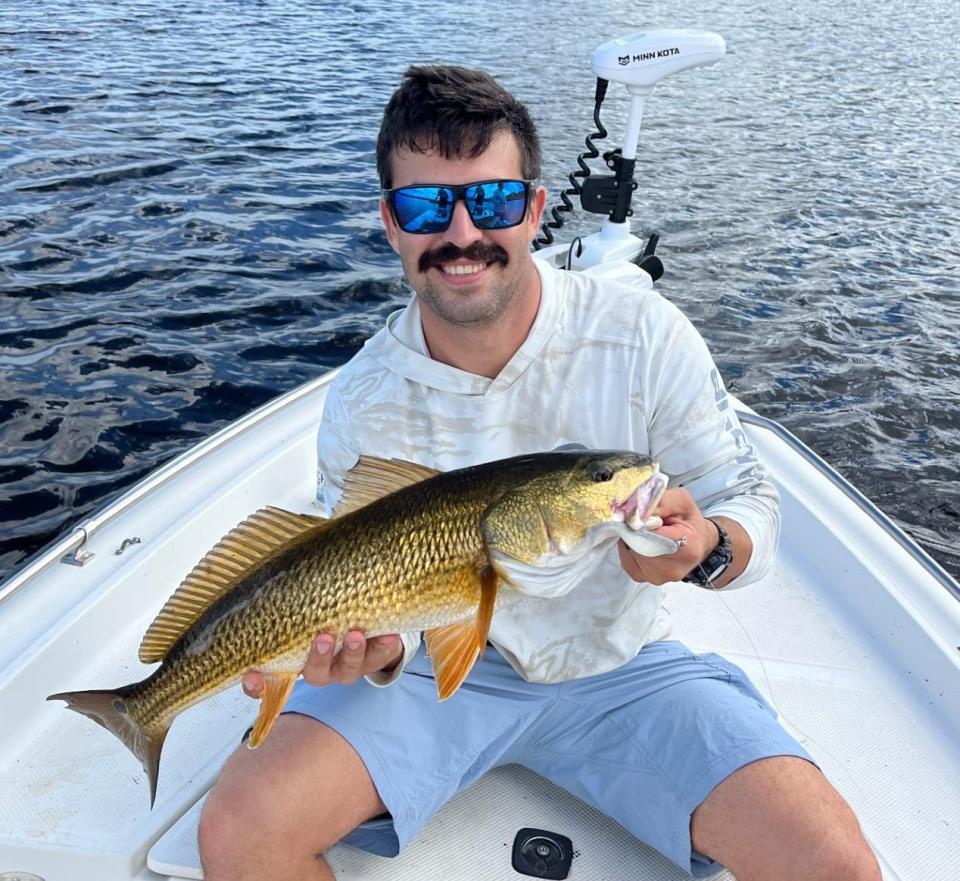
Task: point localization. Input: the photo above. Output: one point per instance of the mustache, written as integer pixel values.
(477, 252)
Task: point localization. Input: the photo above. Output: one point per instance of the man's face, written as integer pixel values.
(497, 266)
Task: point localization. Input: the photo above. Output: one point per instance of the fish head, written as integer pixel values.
(602, 488)
(566, 508)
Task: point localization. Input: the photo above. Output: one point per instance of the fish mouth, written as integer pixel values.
(636, 510)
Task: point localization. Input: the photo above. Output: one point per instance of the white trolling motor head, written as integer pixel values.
(641, 60)
(638, 61)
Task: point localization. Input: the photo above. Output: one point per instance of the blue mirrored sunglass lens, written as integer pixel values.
(497, 204)
(423, 209)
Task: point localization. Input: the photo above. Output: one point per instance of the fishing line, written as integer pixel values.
(783, 716)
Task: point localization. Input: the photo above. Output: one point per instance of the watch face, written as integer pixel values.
(718, 571)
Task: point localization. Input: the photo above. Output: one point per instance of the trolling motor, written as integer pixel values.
(639, 61)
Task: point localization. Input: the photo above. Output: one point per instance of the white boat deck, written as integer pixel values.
(850, 638)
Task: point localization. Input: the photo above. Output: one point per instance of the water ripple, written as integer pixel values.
(189, 220)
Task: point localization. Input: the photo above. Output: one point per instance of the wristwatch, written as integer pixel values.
(716, 563)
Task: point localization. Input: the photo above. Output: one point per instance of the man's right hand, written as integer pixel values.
(357, 657)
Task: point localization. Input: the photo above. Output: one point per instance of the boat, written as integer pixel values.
(854, 638)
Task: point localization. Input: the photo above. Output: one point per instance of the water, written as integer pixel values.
(188, 220)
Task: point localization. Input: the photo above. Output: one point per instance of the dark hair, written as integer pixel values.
(456, 111)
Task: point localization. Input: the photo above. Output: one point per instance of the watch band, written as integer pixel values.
(716, 563)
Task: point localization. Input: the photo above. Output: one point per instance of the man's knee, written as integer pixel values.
(236, 826)
(305, 788)
(222, 828)
(848, 858)
(240, 825)
(780, 818)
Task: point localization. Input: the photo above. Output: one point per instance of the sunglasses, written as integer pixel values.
(428, 208)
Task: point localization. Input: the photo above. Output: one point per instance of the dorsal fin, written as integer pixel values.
(373, 478)
(240, 551)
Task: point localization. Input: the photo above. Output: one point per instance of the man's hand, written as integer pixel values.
(684, 523)
(357, 657)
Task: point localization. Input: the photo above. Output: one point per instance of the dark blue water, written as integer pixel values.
(188, 220)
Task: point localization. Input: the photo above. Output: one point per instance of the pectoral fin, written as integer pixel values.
(275, 694)
(488, 598)
(454, 649)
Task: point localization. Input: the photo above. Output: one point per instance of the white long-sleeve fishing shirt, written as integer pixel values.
(606, 365)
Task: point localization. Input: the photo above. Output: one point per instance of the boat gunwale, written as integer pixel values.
(884, 521)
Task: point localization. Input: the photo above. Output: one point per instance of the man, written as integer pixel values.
(498, 355)
(500, 201)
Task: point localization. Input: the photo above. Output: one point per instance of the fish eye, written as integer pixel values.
(603, 474)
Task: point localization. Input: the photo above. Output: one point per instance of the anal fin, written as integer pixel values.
(276, 690)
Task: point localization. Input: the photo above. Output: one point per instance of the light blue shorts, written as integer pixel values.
(645, 744)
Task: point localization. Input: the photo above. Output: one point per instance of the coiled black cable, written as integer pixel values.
(546, 237)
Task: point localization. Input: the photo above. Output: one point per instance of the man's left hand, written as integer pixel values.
(684, 523)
